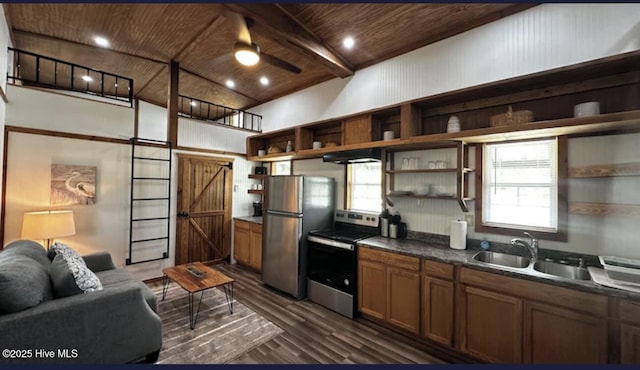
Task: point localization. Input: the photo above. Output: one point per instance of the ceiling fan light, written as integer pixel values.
(247, 55)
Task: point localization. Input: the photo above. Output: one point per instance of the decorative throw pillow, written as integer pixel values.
(70, 276)
(24, 283)
(29, 248)
(59, 248)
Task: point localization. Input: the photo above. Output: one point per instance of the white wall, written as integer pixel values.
(105, 225)
(544, 37)
(5, 42)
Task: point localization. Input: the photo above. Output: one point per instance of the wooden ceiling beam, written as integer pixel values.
(283, 26)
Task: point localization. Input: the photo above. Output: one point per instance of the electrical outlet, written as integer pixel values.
(469, 219)
(235, 188)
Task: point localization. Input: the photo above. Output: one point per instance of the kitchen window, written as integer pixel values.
(524, 188)
(364, 184)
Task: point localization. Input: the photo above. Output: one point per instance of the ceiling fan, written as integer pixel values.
(248, 53)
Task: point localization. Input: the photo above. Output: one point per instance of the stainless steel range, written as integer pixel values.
(333, 264)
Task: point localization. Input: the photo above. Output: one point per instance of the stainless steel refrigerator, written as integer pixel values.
(294, 205)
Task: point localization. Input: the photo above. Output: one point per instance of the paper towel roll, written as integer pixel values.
(458, 235)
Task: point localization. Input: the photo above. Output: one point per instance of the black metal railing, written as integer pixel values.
(39, 70)
(218, 114)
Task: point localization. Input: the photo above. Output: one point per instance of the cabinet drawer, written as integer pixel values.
(594, 304)
(629, 311)
(256, 228)
(437, 269)
(393, 259)
(239, 224)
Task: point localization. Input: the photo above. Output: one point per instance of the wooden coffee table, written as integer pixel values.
(193, 284)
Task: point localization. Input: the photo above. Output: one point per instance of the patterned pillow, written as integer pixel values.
(59, 248)
(70, 275)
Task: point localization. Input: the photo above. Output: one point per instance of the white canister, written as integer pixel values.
(454, 124)
(317, 145)
(262, 152)
(388, 135)
(590, 108)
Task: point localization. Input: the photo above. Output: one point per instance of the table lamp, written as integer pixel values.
(47, 225)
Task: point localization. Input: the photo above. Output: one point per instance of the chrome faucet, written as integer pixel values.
(532, 246)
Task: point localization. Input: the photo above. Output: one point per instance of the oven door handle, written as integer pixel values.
(331, 243)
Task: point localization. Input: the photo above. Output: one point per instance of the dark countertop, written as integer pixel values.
(442, 253)
(255, 220)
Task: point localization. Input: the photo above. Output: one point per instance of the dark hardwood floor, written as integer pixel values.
(315, 335)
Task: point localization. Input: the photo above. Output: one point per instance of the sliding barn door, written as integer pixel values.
(204, 209)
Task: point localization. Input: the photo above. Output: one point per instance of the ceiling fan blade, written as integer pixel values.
(239, 25)
(277, 62)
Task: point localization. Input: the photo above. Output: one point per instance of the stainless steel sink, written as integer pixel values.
(565, 271)
(502, 259)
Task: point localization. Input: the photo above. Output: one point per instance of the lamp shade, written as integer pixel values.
(48, 224)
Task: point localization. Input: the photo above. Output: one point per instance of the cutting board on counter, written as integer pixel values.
(600, 277)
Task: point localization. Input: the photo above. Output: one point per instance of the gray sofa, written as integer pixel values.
(117, 324)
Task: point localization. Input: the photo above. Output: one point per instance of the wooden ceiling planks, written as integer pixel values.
(145, 37)
(383, 31)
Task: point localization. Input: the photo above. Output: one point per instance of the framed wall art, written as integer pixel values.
(72, 184)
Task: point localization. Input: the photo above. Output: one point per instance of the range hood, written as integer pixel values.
(353, 156)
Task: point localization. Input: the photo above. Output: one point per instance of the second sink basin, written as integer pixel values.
(502, 259)
(565, 271)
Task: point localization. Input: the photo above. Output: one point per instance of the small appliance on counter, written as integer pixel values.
(257, 209)
(260, 170)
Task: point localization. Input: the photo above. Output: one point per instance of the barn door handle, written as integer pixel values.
(183, 214)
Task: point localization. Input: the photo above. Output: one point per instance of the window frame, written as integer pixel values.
(563, 195)
(348, 184)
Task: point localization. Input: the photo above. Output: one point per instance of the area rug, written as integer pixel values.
(218, 337)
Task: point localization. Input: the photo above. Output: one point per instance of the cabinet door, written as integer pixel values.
(630, 344)
(555, 335)
(241, 242)
(403, 299)
(437, 310)
(490, 325)
(372, 289)
(255, 255)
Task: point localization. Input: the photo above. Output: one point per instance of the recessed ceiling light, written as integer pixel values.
(101, 41)
(264, 81)
(87, 78)
(230, 84)
(193, 104)
(348, 42)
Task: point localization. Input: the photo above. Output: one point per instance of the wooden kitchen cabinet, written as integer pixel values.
(554, 335)
(629, 332)
(403, 299)
(539, 323)
(372, 289)
(490, 325)
(389, 288)
(438, 292)
(247, 245)
(255, 247)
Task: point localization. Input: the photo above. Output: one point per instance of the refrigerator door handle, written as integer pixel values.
(283, 214)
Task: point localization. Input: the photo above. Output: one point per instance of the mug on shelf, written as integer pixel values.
(388, 135)
(317, 145)
(262, 152)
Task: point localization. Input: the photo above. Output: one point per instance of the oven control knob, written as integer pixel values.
(346, 282)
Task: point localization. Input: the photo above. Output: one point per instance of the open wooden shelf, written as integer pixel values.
(447, 197)
(606, 170)
(612, 122)
(604, 209)
(424, 170)
(252, 191)
(257, 176)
